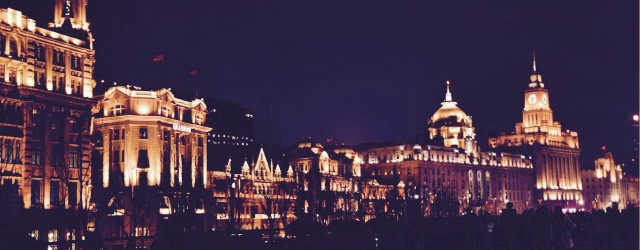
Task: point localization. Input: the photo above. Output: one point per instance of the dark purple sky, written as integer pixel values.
(363, 71)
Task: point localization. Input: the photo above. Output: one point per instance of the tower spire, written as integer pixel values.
(534, 61)
(447, 97)
(535, 77)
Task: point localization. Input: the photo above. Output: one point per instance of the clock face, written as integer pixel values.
(532, 99)
(544, 99)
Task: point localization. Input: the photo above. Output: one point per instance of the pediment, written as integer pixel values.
(115, 93)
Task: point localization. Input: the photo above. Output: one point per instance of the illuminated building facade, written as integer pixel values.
(256, 195)
(555, 152)
(150, 145)
(46, 82)
(322, 185)
(606, 184)
(46, 59)
(329, 183)
(452, 168)
(427, 172)
(451, 127)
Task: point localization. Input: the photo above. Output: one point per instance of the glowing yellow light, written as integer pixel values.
(165, 211)
(143, 109)
(31, 25)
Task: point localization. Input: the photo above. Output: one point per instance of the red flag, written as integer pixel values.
(158, 58)
(193, 72)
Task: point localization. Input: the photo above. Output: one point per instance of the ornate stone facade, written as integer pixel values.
(46, 81)
(149, 161)
(258, 196)
(488, 181)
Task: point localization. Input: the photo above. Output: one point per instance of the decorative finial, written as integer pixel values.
(534, 60)
(448, 95)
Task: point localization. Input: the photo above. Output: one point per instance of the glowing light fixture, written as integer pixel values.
(165, 211)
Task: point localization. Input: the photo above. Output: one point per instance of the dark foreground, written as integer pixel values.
(592, 231)
(530, 230)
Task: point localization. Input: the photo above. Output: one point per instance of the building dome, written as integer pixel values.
(451, 127)
(448, 110)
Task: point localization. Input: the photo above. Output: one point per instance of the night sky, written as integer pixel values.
(362, 71)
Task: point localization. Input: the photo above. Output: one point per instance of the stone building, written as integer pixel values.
(329, 183)
(149, 160)
(256, 195)
(316, 184)
(431, 173)
(46, 82)
(452, 127)
(452, 173)
(606, 184)
(555, 152)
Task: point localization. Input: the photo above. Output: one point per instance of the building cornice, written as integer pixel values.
(148, 119)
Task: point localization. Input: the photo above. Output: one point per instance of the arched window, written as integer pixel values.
(324, 162)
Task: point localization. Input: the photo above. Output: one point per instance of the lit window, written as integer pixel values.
(52, 236)
(166, 111)
(142, 231)
(117, 110)
(34, 234)
(76, 158)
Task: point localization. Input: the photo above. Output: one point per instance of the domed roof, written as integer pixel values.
(449, 109)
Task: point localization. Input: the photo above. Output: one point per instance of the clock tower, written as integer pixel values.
(555, 152)
(537, 113)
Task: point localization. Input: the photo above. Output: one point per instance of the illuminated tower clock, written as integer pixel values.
(537, 112)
